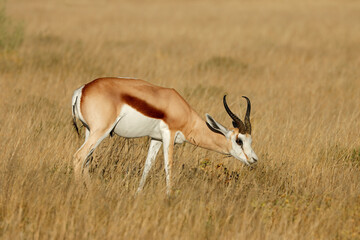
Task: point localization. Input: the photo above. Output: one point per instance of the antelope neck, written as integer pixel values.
(200, 135)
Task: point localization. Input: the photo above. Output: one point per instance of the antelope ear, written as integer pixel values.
(216, 127)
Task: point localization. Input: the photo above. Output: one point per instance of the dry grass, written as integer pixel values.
(298, 61)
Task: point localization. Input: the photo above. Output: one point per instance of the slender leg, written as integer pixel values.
(168, 141)
(87, 133)
(153, 150)
(82, 155)
(92, 139)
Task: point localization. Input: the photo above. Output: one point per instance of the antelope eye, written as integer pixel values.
(239, 141)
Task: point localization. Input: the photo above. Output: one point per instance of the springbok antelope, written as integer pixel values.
(135, 108)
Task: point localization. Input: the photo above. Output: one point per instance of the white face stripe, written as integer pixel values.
(243, 152)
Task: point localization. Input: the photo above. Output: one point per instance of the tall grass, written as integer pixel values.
(297, 61)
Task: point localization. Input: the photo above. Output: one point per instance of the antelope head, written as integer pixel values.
(239, 138)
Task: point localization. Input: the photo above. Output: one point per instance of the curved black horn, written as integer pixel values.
(236, 121)
(247, 116)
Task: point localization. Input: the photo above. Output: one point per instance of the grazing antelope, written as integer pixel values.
(135, 108)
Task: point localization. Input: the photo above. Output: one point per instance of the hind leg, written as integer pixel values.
(81, 157)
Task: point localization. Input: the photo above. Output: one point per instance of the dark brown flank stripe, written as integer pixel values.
(143, 107)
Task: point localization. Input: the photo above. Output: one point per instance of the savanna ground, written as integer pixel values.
(298, 61)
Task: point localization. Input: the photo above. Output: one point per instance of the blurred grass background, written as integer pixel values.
(298, 61)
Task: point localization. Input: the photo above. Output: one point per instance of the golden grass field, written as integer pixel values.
(298, 61)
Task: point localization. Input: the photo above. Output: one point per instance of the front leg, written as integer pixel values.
(153, 150)
(168, 141)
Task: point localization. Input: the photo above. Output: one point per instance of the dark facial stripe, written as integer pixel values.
(143, 107)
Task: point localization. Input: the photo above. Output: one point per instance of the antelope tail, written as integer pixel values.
(75, 110)
(74, 115)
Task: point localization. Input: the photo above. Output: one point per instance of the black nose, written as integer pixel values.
(255, 159)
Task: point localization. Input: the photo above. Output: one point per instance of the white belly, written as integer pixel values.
(134, 124)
